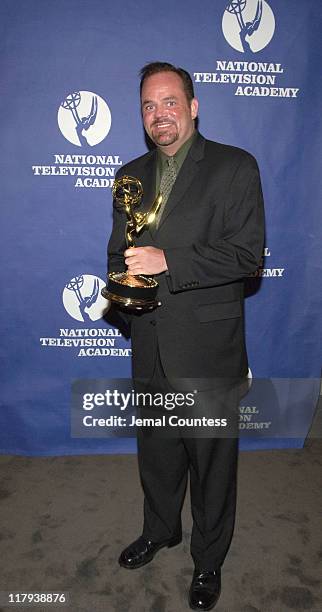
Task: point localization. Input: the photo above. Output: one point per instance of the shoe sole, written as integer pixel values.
(132, 567)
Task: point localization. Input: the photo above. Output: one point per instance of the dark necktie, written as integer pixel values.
(167, 181)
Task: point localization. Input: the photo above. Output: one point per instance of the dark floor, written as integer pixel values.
(64, 521)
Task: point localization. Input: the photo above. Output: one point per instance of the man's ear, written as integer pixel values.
(194, 108)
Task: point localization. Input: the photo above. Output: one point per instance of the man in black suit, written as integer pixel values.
(208, 237)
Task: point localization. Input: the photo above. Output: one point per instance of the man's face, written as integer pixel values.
(168, 117)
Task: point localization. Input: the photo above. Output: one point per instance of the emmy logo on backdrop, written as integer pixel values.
(133, 292)
(75, 285)
(236, 7)
(82, 123)
(248, 25)
(84, 118)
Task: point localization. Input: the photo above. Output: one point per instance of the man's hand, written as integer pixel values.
(145, 260)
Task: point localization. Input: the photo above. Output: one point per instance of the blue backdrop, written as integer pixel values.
(70, 116)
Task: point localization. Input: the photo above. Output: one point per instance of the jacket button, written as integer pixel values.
(153, 322)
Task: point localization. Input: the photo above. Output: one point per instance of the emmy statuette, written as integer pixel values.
(133, 292)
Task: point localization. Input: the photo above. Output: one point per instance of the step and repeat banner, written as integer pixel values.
(70, 117)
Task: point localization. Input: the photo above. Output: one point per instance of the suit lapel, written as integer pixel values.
(148, 182)
(185, 177)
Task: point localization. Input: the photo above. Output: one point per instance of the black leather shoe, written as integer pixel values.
(205, 589)
(142, 551)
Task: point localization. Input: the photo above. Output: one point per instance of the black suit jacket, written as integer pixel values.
(212, 233)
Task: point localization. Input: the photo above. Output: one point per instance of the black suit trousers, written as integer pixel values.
(164, 465)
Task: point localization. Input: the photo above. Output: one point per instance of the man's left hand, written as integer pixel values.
(145, 260)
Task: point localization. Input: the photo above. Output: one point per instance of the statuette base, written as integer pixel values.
(131, 292)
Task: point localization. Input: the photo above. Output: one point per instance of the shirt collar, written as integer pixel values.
(179, 156)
